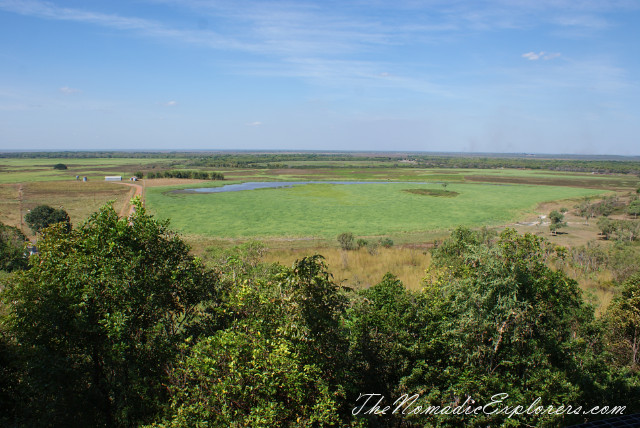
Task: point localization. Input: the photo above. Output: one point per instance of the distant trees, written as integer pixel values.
(348, 242)
(60, 166)
(586, 209)
(557, 221)
(196, 175)
(634, 208)
(44, 216)
(606, 226)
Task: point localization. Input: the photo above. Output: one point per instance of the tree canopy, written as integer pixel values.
(116, 324)
(44, 216)
(12, 249)
(99, 317)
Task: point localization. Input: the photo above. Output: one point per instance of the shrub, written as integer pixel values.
(347, 242)
(386, 242)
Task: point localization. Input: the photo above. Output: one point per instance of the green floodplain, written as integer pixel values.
(325, 210)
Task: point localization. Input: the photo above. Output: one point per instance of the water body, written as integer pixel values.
(254, 185)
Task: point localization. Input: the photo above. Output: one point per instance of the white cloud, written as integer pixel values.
(254, 124)
(171, 103)
(532, 56)
(68, 91)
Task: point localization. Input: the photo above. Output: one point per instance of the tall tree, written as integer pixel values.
(100, 316)
(44, 216)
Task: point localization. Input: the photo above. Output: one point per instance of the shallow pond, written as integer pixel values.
(253, 185)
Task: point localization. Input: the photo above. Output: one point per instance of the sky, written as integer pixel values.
(511, 76)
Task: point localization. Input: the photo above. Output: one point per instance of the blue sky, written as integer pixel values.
(535, 76)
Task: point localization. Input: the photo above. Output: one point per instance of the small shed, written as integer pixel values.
(113, 178)
(134, 178)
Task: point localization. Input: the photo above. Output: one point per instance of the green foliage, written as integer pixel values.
(372, 248)
(286, 344)
(586, 209)
(98, 319)
(115, 324)
(239, 378)
(138, 174)
(188, 174)
(12, 249)
(347, 241)
(386, 242)
(607, 206)
(557, 221)
(60, 166)
(44, 216)
(623, 318)
(634, 208)
(626, 230)
(513, 324)
(606, 226)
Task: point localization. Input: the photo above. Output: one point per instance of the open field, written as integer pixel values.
(515, 176)
(79, 199)
(373, 209)
(30, 170)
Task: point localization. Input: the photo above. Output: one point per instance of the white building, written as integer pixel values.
(113, 178)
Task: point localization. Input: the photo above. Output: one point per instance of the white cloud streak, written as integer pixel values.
(532, 56)
(68, 91)
(341, 43)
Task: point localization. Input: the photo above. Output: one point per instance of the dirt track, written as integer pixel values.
(128, 208)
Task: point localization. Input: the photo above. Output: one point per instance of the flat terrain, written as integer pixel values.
(372, 209)
(412, 207)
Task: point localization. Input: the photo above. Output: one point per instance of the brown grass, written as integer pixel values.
(360, 269)
(79, 199)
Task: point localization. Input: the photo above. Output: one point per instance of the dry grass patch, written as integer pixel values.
(79, 199)
(362, 269)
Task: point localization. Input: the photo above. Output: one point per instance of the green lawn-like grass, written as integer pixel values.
(325, 210)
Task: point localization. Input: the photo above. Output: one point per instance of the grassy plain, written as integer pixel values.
(372, 209)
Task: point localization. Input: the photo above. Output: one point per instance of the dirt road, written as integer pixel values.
(128, 208)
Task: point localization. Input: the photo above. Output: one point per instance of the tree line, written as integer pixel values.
(196, 175)
(362, 160)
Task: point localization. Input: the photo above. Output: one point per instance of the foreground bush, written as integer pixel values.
(98, 318)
